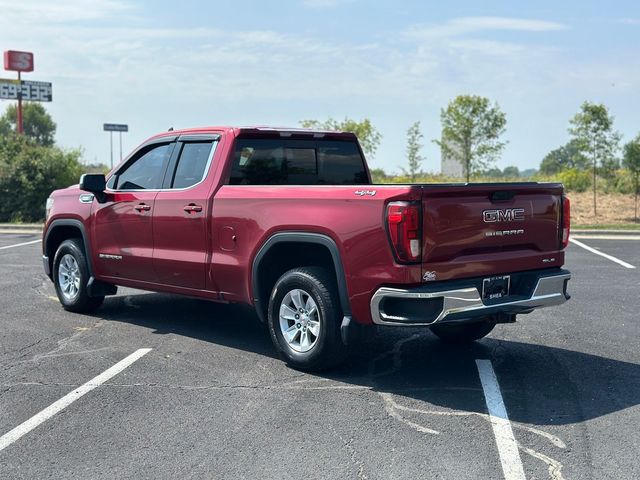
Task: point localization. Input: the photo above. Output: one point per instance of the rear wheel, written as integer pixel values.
(463, 333)
(304, 319)
(71, 275)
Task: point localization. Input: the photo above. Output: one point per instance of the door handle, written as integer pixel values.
(192, 208)
(143, 207)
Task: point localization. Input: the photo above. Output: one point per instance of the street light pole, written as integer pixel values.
(120, 135)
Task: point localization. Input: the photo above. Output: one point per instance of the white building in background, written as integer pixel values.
(450, 166)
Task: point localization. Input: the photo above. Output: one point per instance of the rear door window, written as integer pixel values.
(192, 164)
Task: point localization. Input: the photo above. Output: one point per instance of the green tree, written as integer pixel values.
(5, 127)
(414, 159)
(563, 158)
(29, 173)
(592, 130)
(378, 175)
(493, 172)
(511, 171)
(471, 130)
(631, 161)
(37, 123)
(367, 134)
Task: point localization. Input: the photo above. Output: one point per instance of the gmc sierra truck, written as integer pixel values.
(288, 221)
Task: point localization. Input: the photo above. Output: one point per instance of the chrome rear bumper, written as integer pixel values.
(467, 302)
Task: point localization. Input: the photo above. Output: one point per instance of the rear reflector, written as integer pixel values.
(566, 221)
(403, 224)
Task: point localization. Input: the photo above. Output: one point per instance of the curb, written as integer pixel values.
(604, 232)
(21, 226)
(20, 232)
(17, 228)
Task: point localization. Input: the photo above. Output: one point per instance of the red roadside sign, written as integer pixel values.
(18, 61)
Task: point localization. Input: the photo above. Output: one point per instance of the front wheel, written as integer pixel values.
(304, 319)
(463, 333)
(71, 276)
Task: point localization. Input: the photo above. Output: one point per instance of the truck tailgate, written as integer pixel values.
(509, 227)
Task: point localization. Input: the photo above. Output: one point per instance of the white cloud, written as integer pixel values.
(62, 11)
(465, 25)
(264, 64)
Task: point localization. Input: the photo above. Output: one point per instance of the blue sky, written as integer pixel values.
(155, 65)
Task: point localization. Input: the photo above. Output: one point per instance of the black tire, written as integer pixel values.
(328, 350)
(80, 302)
(465, 332)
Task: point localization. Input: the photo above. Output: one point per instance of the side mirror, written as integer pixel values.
(93, 182)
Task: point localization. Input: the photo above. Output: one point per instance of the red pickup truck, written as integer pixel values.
(287, 220)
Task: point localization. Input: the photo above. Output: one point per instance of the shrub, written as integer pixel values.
(29, 173)
(575, 180)
(621, 182)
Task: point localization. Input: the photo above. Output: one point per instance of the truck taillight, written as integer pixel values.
(566, 221)
(403, 224)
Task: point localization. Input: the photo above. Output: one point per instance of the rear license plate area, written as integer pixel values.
(494, 288)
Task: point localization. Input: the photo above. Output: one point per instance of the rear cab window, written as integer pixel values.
(266, 161)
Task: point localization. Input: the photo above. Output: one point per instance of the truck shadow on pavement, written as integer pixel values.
(541, 385)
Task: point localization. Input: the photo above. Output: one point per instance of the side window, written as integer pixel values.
(192, 164)
(147, 171)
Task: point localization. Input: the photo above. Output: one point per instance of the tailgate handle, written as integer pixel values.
(502, 195)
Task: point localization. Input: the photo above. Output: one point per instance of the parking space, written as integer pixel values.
(211, 400)
(626, 250)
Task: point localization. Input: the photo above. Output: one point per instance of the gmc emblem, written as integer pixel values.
(506, 215)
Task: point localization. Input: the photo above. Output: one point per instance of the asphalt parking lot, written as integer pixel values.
(211, 400)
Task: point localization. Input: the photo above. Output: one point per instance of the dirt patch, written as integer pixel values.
(612, 209)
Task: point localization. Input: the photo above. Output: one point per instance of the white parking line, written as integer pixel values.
(24, 428)
(606, 237)
(506, 442)
(20, 244)
(598, 252)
